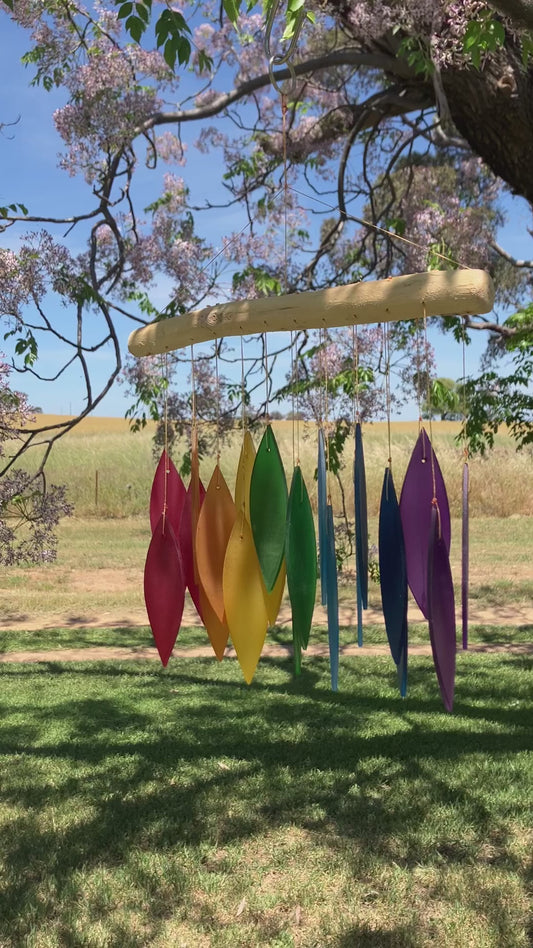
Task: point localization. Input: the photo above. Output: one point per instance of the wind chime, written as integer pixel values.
(234, 553)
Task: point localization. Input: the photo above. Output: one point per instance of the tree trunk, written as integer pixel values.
(493, 111)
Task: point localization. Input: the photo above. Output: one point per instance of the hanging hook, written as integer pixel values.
(282, 59)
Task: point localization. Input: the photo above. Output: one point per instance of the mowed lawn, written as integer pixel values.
(180, 808)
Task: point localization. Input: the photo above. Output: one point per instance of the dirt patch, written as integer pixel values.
(105, 653)
(135, 616)
(121, 592)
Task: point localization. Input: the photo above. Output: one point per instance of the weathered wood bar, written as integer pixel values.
(441, 293)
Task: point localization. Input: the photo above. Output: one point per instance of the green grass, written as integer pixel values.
(142, 807)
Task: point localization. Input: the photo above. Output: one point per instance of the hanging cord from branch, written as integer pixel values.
(381, 230)
(349, 217)
(282, 59)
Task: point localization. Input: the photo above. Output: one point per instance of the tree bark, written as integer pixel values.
(493, 111)
(491, 107)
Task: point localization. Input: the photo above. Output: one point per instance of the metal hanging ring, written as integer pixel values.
(281, 59)
(288, 89)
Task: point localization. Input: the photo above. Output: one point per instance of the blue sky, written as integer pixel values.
(30, 175)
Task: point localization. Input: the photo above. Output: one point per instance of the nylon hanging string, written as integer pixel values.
(267, 392)
(294, 380)
(463, 393)
(430, 413)
(386, 355)
(355, 355)
(326, 421)
(243, 392)
(194, 420)
(217, 396)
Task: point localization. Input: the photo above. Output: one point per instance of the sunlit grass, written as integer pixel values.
(142, 807)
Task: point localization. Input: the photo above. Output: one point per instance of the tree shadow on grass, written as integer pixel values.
(364, 937)
(191, 756)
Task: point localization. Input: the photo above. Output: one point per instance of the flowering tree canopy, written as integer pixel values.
(404, 121)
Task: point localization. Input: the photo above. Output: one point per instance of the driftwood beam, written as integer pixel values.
(440, 293)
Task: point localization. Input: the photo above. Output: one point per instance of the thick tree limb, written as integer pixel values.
(519, 11)
(349, 56)
(525, 264)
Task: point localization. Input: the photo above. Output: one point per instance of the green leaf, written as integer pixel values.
(143, 12)
(205, 62)
(184, 51)
(232, 9)
(135, 28)
(169, 53)
(125, 10)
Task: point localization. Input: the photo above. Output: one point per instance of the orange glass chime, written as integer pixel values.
(233, 554)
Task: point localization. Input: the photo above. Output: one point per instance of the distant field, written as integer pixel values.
(109, 470)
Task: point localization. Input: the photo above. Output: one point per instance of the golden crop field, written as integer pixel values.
(109, 469)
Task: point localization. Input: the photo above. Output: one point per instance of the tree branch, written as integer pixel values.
(526, 264)
(349, 56)
(519, 11)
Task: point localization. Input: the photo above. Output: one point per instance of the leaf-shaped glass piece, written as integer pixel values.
(244, 599)
(217, 631)
(393, 575)
(322, 515)
(268, 507)
(300, 555)
(175, 494)
(215, 523)
(441, 610)
(361, 517)
(333, 599)
(186, 544)
(415, 509)
(273, 599)
(465, 557)
(164, 588)
(244, 475)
